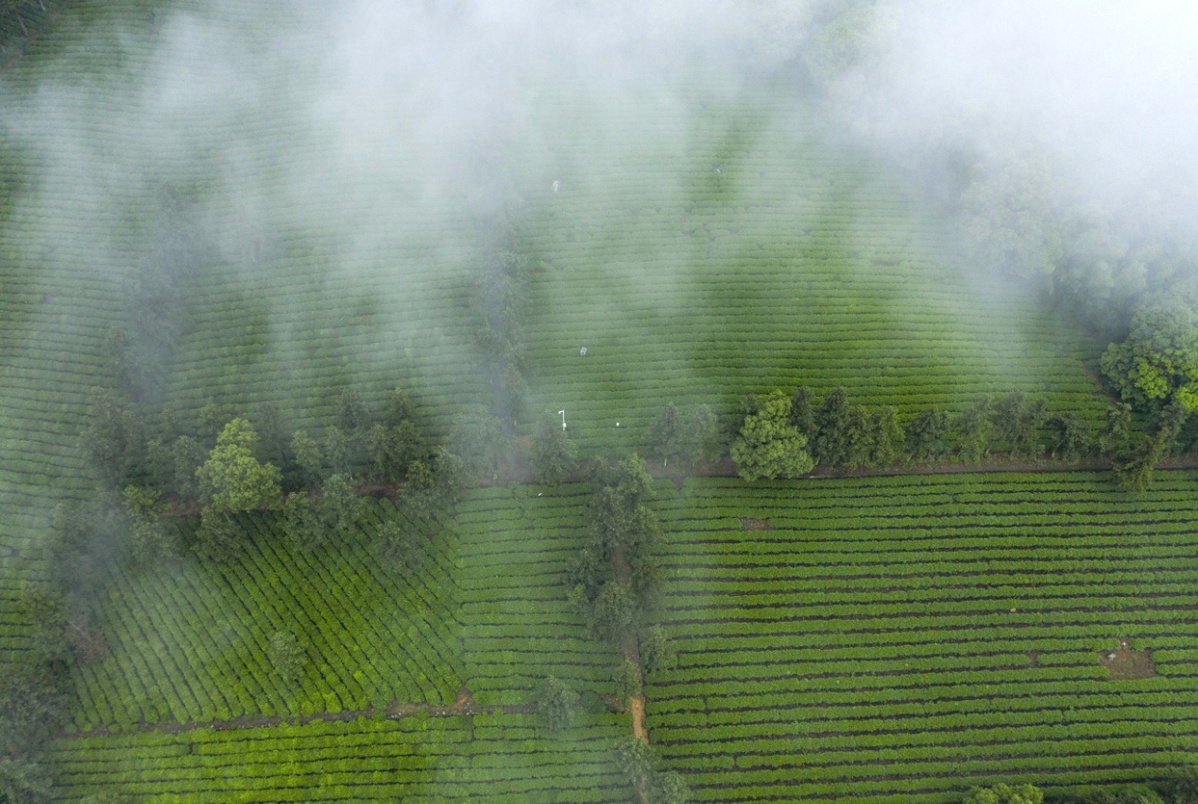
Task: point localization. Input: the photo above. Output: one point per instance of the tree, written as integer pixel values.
(232, 479)
(1005, 794)
(666, 434)
(399, 545)
(301, 522)
(657, 651)
(769, 446)
(886, 437)
(612, 613)
(286, 656)
(973, 430)
(398, 408)
(1158, 361)
(552, 454)
(830, 444)
(187, 455)
(308, 457)
(927, 434)
(1073, 441)
(338, 506)
(114, 442)
(1116, 429)
(479, 441)
(1016, 420)
(639, 762)
(556, 703)
(627, 681)
(352, 415)
(311, 522)
(701, 437)
(149, 539)
(802, 411)
(274, 438)
(23, 781)
(339, 451)
(219, 534)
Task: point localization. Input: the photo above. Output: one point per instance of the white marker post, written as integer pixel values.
(563, 415)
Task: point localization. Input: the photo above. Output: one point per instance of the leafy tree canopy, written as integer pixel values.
(232, 478)
(1006, 794)
(1158, 361)
(769, 445)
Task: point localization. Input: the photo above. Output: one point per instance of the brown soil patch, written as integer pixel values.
(748, 523)
(1033, 659)
(1123, 663)
(637, 707)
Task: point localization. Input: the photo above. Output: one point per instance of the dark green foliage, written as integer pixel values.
(552, 454)
(769, 446)
(858, 437)
(338, 506)
(48, 613)
(1132, 794)
(1073, 440)
(1116, 429)
(352, 415)
(1016, 420)
(33, 704)
(1181, 786)
(148, 536)
(614, 580)
(701, 437)
(339, 451)
(833, 421)
(398, 408)
(328, 517)
(927, 435)
(802, 411)
(626, 680)
(657, 652)
(301, 522)
(666, 435)
(399, 545)
(973, 430)
(286, 656)
(23, 781)
(274, 439)
(886, 438)
(1133, 464)
(434, 484)
(114, 443)
(232, 479)
(556, 703)
(309, 460)
(479, 441)
(219, 535)
(1005, 794)
(1158, 361)
(640, 762)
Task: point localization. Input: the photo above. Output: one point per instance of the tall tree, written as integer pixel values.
(666, 434)
(232, 479)
(973, 430)
(833, 421)
(769, 446)
(927, 435)
(552, 454)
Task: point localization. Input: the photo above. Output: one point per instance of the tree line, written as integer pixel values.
(780, 435)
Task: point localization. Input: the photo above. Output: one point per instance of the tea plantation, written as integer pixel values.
(878, 639)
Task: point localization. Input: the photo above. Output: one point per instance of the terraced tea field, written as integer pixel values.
(895, 639)
(886, 639)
